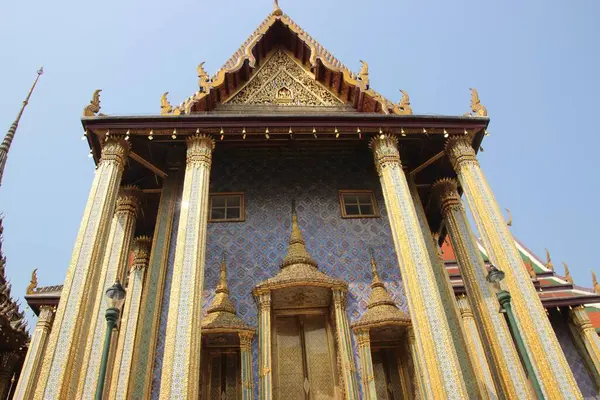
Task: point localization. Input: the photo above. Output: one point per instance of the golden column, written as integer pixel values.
(345, 345)
(367, 376)
(265, 374)
(587, 336)
(35, 354)
(121, 373)
(476, 351)
(418, 386)
(180, 377)
(115, 260)
(475, 387)
(246, 361)
(73, 316)
(150, 308)
(554, 374)
(437, 354)
(501, 354)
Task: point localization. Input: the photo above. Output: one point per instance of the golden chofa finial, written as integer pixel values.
(94, 107)
(33, 283)
(595, 283)
(203, 78)
(165, 106)
(363, 75)
(549, 264)
(276, 10)
(477, 109)
(403, 107)
(568, 276)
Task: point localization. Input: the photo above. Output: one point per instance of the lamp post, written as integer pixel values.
(115, 296)
(494, 277)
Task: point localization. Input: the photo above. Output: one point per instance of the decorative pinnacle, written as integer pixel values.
(595, 282)
(297, 253)
(374, 267)
(568, 276)
(222, 302)
(222, 286)
(10, 135)
(549, 264)
(276, 10)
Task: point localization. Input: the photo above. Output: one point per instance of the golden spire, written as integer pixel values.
(276, 10)
(222, 302)
(595, 282)
(379, 294)
(376, 279)
(568, 276)
(297, 253)
(549, 264)
(10, 135)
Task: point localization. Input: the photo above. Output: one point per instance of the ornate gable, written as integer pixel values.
(282, 81)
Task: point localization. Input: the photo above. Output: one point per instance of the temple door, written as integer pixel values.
(221, 377)
(387, 374)
(304, 358)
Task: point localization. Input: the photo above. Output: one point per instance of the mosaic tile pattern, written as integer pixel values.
(584, 381)
(256, 247)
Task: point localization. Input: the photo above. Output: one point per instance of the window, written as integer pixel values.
(358, 204)
(227, 207)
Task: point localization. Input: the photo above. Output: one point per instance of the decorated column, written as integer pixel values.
(437, 354)
(482, 306)
(115, 260)
(366, 364)
(475, 387)
(246, 361)
(265, 373)
(587, 336)
(8, 362)
(121, 374)
(549, 362)
(420, 389)
(35, 354)
(180, 377)
(73, 316)
(345, 345)
(150, 307)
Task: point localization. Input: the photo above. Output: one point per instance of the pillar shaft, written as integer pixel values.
(419, 389)
(150, 308)
(480, 308)
(181, 361)
(115, 260)
(345, 346)
(246, 361)
(585, 332)
(265, 373)
(121, 374)
(434, 340)
(366, 364)
(475, 387)
(73, 316)
(549, 362)
(8, 361)
(35, 354)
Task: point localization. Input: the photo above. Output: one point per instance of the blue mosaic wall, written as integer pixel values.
(582, 376)
(256, 247)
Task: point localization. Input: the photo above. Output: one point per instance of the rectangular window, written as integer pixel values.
(226, 207)
(358, 204)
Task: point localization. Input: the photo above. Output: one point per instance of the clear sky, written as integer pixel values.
(535, 63)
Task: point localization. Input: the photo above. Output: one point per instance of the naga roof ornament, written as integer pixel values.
(93, 108)
(477, 109)
(568, 276)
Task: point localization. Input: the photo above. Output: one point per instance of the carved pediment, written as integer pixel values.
(281, 81)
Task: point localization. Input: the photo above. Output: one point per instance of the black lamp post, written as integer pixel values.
(115, 297)
(494, 277)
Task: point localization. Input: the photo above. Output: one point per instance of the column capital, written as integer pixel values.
(246, 340)
(464, 306)
(460, 151)
(128, 199)
(410, 334)
(385, 150)
(445, 192)
(115, 150)
(199, 150)
(141, 252)
(339, 297)
(580, 318)
(264, 301)
(362, 337)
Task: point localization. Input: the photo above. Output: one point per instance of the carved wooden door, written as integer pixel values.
(303, 358)
(221, 376)
(387, 375)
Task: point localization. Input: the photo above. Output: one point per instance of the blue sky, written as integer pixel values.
(535, 64)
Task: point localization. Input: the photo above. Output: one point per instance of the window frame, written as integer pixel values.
(242, 216)
(343, 192)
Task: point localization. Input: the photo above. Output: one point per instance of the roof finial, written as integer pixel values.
(549, 264)
(222, 286)
(10, 135)
(373, 266)
(509, 219)
(595, 282)
(276, 10)
(297, 253)
(568, 276)
(477, 109)
(33, 283)
(94, 107)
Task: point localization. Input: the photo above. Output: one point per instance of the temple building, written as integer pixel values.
(287, 232)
